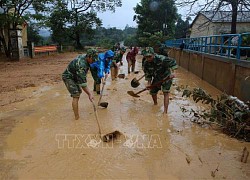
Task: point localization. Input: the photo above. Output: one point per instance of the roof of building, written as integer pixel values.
(226, 16)
(223, 16)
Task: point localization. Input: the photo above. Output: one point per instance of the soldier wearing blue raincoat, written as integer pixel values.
(101, 68)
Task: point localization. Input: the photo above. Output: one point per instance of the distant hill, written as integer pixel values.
(44, 32)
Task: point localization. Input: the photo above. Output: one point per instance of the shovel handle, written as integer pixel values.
(141, 77)
(97, 119)
(103, 84)
(141, 91)
(160, 82)
(154, 85)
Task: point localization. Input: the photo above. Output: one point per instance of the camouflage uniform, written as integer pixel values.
(117, 59)
(143, 52)
(163, 50)
(157, 70)
(75, 75)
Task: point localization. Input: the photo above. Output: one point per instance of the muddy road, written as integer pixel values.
(39, 138)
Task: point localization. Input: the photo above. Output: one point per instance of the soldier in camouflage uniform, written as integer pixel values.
(116, 62)
(156, 68)
(75, 78)
(143, 52)
(163, 50)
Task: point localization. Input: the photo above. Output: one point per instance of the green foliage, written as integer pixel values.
(73, 19)
(231, 114)
(246, 40)
(106, 38)
(33, 34)
(181, 27)
(155, 17)
(130, 40)
(151, 40)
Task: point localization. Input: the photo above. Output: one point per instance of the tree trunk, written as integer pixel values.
(77, 34)
(5, 47)
(234, 18)
(78, 43)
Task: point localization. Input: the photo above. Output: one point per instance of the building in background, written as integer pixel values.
(208, 23)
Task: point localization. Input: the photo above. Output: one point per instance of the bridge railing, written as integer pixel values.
(230, 45)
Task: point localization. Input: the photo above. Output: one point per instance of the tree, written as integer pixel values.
(181, 27)
(155, 16)
(13, 15)
(33, 34)
(78, 18)
(70, 27)
(216, 5)
(14, 12)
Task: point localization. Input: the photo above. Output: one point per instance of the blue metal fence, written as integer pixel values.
(229, 45)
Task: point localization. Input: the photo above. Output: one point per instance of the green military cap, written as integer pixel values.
(149, 51)
(92, 52)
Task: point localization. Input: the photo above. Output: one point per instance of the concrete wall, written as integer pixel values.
(228, 75)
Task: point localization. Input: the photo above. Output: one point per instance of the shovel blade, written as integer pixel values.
(122, 76)
(135, 83)
(131, 93)
(110, 136)
(104, 104)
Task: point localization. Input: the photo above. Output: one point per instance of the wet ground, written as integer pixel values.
(41, 140)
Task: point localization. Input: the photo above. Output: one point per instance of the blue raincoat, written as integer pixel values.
(103, 63)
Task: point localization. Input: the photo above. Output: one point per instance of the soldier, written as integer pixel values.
(143, 58)
(131, 58)
(156, 68)
(117, 61)
(161, 49)
(75, 78)
(101, 68)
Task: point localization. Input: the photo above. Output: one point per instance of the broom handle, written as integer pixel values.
(97, 120)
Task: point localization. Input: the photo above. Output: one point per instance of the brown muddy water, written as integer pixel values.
(41, 139)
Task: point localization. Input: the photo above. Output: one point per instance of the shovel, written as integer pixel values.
(131, 93)
(121, 76)
(107, 137)
(102, 104)
(135, 83)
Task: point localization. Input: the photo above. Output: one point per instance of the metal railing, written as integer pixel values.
(230, 45)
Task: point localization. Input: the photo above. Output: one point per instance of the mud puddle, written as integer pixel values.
(41, 140)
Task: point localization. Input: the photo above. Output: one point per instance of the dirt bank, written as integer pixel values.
(40, 71)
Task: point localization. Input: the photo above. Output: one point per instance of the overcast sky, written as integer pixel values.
(122, 16)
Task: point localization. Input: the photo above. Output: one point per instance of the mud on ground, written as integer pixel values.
(152, 146)
(39, 71)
